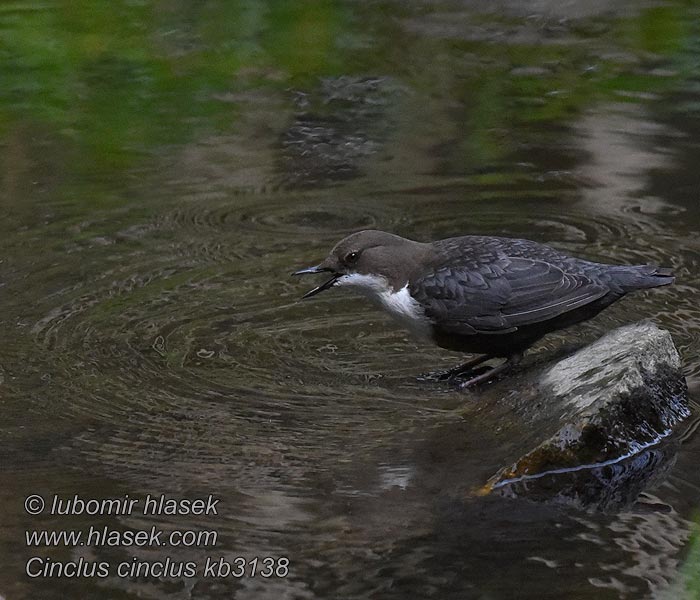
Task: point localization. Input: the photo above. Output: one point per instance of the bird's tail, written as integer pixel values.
(642, 277)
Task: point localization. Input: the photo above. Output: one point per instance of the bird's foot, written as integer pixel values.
(491, 373)
(467, 369)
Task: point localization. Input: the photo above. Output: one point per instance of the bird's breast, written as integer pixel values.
(407, 311)
(399, 304)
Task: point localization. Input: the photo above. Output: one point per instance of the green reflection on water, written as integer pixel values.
(691, 570)
(117, 80)
(120, 79)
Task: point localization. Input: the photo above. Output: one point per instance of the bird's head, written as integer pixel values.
(366, 259)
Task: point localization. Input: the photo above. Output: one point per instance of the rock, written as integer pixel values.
(601, 411)
(604, 487)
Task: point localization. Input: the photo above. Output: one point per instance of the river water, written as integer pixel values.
(165, 166)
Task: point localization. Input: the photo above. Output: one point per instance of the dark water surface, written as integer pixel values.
(165, 166)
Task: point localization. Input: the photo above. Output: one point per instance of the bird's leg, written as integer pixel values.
(464, 369)
(509, 363)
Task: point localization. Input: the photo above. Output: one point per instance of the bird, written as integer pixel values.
(485, 295)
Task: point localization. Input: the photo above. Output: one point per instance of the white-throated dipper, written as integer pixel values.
(491, 296)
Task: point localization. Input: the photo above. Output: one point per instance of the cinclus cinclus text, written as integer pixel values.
(486, 295)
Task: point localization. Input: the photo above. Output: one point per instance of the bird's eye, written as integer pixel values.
(352, 257)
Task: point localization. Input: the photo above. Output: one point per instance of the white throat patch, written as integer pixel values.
(400, 305)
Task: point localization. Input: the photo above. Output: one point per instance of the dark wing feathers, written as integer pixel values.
(501, 295)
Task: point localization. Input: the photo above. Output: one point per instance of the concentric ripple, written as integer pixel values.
(279, 216)
(219, 312)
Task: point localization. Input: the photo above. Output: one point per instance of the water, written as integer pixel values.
(164, 169)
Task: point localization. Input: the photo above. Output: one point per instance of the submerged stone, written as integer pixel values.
(602, 409)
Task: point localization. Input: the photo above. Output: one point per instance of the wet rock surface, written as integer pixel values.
(604, 421)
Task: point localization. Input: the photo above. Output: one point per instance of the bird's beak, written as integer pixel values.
(324, 286)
